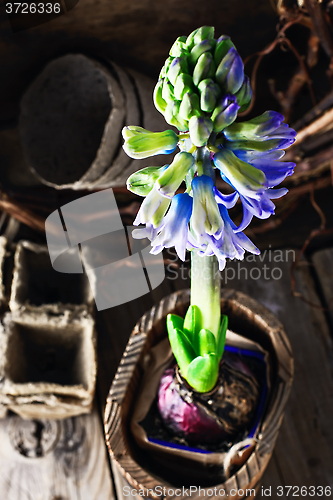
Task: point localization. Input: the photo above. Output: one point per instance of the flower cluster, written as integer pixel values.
(201, 90)
(202, 85)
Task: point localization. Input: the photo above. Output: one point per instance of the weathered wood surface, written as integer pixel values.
(134, 34)
(304, 451)
(54, 460)
(71, 468)
(323, 269)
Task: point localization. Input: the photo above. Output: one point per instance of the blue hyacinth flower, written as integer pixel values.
(253, 149)
(174, 228)
(275, 172)
(153, 208)
(206, 218)
(262, 209)
(231, 245)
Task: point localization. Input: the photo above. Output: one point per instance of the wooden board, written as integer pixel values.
(54, 460)
(304, 449)
(323, 268)
(134, 34)
(75, 467)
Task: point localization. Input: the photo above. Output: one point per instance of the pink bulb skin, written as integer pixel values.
(187, 420)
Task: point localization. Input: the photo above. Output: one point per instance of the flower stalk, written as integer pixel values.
(205, 290)
(201, 90)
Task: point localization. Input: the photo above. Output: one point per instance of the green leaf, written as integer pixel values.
(142, 181)
(207, 342)
(221, 337)
(202, 373)
(193, 325)
(182, 349)
(173, 321)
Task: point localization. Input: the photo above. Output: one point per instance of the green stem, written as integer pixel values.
(205, 290)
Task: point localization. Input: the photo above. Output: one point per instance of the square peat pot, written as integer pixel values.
(47, 363)
(157, 466)
(37, 284)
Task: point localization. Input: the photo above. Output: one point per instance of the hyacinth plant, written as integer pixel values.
(201, 90)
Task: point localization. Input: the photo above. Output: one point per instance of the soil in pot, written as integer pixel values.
(228, 414)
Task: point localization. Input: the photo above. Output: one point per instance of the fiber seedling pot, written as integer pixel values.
(139, 466)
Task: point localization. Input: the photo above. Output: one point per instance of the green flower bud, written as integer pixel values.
(209, 92)
(178, 65)
(167, 91)
(184, 83)
(199, 49)
(204, 33)
(179, 47)
(230, 72)
(159, 102)
(161, 76)
(244, 95)
(173, 176)
(160, 212)
(204, 68)
(141, 143)
(142, 181)
(190, 39)
(190, 106)
(225, 113)
(223, 45)
(200, 130)
(268, 145)
(165, 68)
(242, 175)
(173, 117)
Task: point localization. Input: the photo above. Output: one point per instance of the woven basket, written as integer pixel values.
(246, 316)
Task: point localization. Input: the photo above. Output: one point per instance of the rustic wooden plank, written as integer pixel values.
(271, 480)
(121, 484)
(114, 327)
(323, 266)
(118, 31)
(304, 449)
(54, 460)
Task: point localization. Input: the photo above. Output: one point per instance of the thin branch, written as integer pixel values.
(300, 77)
(320, 26)
(280, 39)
